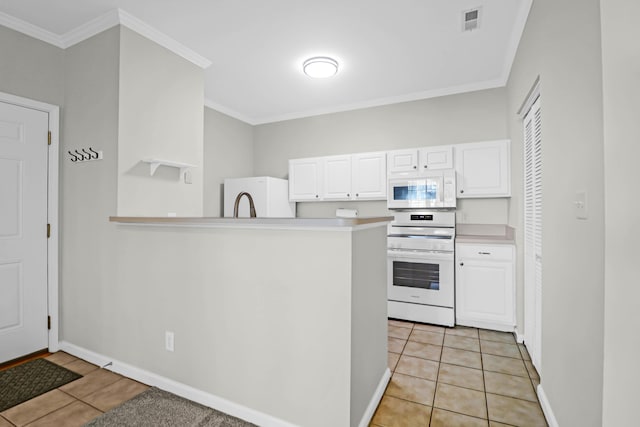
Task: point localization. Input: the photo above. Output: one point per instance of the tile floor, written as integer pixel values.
(74, 403)
(457, 377)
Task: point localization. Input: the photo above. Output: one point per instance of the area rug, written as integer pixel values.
(31, 379)
(158, 408)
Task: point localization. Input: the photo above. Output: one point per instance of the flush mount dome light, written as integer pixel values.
(320, 67)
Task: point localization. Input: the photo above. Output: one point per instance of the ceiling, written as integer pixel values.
(389, 51)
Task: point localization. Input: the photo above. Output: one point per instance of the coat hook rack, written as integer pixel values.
(80, 155)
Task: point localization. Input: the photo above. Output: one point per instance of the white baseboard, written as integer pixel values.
(546, 407)
(519, 336)
(177, 388)
(375, 399)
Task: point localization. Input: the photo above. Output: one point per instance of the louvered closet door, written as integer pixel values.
(533, 232)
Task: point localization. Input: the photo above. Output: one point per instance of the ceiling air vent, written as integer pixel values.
(471, 19)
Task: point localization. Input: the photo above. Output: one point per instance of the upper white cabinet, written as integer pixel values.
(369, 176)
(337, 178)
(347, 177)
(305, 179)
(483, 169)
(415, 161)
(402, 162)
(434, 158)
(485, 286)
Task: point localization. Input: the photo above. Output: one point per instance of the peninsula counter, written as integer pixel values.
(278, 321)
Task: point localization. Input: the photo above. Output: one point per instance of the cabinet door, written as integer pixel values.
(434, 158)
(483, 169)
(369, 178)
(402, 162)
(485, 286)
(337, 178)
(484, 292)
(305, 179)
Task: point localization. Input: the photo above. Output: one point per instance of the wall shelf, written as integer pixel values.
(155, 163)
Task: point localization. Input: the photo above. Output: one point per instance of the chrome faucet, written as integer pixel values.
(252, 208)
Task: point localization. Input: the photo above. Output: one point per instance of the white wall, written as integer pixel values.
(561, 44)
(621, 89)
(228, 153)
(160, 116)
(453, 119)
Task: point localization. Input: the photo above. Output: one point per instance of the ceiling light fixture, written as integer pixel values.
(320, 67)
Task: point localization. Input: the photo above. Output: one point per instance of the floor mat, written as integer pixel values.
(158, 408)
(31, 379)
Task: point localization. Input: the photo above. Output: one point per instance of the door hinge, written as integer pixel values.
(48, 322)
(49, 138)
(48, 231)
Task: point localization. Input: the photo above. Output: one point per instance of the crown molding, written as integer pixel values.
(162, 39)
(229, 112)
(91, 28)
(380, 102)
(101, 23)
(30, 30)
(514, 40)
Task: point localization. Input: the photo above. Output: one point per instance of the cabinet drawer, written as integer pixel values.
(486, 252)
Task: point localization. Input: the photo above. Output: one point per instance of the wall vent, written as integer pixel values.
(471, 19)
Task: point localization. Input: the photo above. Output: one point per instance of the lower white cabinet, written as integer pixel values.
(485, 286)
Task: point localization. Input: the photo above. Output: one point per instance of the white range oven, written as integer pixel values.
(421, 266)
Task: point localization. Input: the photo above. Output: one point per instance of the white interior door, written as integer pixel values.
(23, 231)
(533, 233)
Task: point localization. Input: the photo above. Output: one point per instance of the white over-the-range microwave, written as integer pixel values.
(435, 189)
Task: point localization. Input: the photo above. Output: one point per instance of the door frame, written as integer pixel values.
(52, 207)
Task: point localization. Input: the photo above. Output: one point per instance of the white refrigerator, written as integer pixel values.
(270, 197)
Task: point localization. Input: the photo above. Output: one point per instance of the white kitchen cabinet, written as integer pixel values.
(402, 162)
(483, 169)
(485, 286)
(337, 178)
(346, 177)
(369, 176)
(305, 179)
(434, 158)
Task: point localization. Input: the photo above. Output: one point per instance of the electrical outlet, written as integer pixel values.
(168, 341)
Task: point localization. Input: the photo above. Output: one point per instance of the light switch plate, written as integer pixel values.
(580, 204)
(188, 179)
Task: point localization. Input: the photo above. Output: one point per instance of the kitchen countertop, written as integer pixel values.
(264, 223)
(485, 234)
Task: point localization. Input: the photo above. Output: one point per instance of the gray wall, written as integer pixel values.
(469, 117)
(160, 116)
(31, 68)
(621, 89)
(89, 190)
(228, 153)
(567, 59)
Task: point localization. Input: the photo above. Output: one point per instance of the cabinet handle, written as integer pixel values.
(316, 196)
(348, 195)
(484, 253)
(461, 264)
(425, 166)
(357, 194)
(461, 191)
(415, 167)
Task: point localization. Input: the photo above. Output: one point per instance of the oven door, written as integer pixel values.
(421, 277)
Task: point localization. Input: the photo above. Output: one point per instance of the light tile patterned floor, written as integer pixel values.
(457, 377)
(74, 403)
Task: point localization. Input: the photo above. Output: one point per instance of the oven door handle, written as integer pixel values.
(426, 255)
